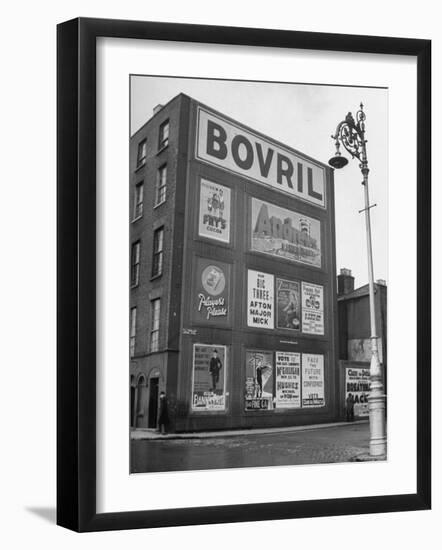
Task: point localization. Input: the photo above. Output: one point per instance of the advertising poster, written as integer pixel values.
(209, 376)
(260, 299)
(214, 213)
(357, 382)
(288, 380)
(312, 380)
(288, 306)
(286, 234)
(211, 296)
(312, 308)
(234, 148)
(359, 349)
(259, 380)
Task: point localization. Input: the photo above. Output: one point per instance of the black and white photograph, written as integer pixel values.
(258, 273)
(219, 231)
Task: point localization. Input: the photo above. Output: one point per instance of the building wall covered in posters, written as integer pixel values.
(247, 323)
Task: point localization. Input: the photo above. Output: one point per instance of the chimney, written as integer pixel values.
(157, 109)
(346, 281)
(382, 282)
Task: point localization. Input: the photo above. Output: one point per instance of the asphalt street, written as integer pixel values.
(325, 445)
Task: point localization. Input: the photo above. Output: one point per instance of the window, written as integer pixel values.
(157, 260)
(163, 140)
(133, 330)
(160, 191)
(142, 152)
(138, 200)
(155, 325)
(135, 264)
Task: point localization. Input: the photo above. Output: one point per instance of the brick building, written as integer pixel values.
(233, 309)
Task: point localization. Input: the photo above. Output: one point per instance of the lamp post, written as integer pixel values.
(351, 133)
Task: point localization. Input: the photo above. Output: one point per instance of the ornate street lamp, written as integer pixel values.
(351, 134)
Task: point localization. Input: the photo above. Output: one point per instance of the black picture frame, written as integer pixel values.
(76, 272)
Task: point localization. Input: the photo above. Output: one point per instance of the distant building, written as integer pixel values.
(355, 332)
(233, 304)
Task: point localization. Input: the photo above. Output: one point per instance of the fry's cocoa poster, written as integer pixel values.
(214, 213)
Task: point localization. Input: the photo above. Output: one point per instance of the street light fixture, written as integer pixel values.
(351, 134)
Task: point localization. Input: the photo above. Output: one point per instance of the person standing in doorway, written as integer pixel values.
(350, 407)
(214, 368)
(163, 417)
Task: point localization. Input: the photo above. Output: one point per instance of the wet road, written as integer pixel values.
(337, 444)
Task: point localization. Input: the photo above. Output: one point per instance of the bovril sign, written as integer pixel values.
(233, 148)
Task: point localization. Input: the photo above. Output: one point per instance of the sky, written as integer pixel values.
(302, 116)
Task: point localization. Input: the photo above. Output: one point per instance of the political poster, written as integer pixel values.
(357, 383)
(288, 306)
(259, 380)
(312, 380)
(211, 295)
(209, 377)
(288, 380)
(285, 233)
(312, 308)
(214, 211)
(260, 306)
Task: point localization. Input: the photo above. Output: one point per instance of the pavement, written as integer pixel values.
(143, 433)
(319, 444)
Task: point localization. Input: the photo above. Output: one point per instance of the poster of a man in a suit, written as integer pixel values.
(215, 367)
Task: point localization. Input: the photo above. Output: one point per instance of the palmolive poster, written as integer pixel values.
(288, 309)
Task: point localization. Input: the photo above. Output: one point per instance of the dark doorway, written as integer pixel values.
(132, 406)
(141, 403)
(153, 402)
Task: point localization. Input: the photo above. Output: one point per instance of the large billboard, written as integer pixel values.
(209, 377)
(212, 292)
(312, 308)
(259, 380)
(312, 380)
(288, 380)
(237, 149)
(288, 308)
(285, 233)
(260, 304)
(214, 211)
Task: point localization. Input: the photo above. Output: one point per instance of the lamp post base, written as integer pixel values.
(376, 408)
(376, 405)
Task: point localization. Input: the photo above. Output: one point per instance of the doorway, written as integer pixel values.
(141, 403)
(132, 406)
(153, 402)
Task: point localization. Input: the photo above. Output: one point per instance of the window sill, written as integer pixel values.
(139, 166)
(163, 148)
(159, 204)
(136, 219)
(156, 276)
